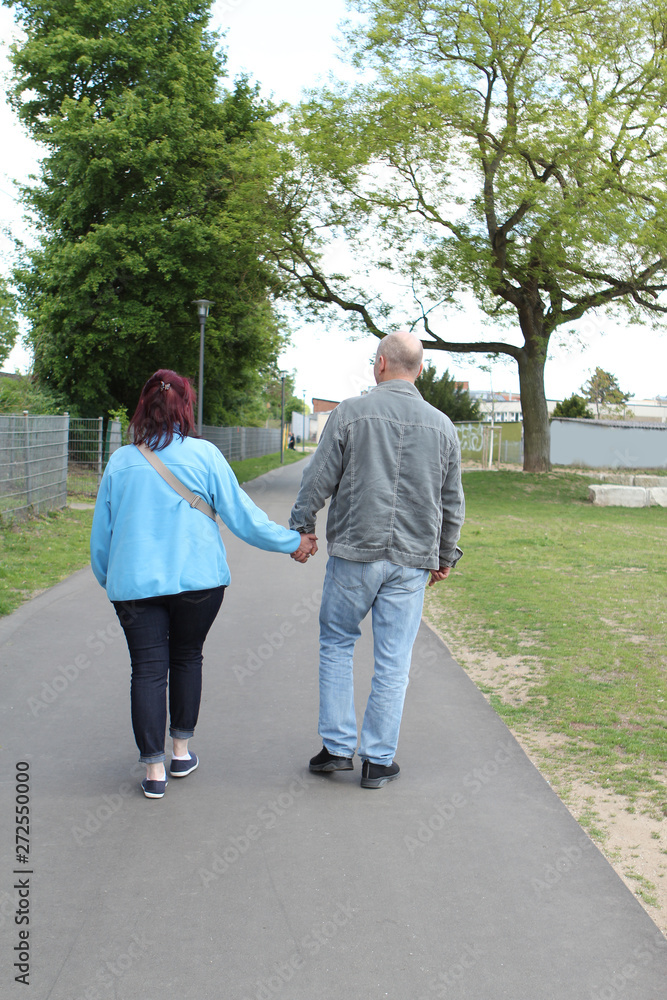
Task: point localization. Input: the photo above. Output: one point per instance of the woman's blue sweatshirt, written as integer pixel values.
(147, 541)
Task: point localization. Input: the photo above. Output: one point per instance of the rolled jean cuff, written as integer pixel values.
(155, 758)
(181, 734)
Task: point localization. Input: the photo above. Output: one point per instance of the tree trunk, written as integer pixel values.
(536, 433)
(531, 360)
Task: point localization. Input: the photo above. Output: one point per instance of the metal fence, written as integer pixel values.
(33, 464)
(486, 443)
(43, 459)
(88, 451)
(237, 443)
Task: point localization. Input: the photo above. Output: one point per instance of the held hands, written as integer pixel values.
(308, 547)
(439, 574)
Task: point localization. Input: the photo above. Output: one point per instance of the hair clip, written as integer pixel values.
(164, 386)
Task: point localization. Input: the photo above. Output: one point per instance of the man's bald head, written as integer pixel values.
(399, 355)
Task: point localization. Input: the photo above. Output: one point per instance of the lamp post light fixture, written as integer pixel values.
(203, 308)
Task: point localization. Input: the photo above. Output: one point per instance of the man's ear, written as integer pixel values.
(421, 369)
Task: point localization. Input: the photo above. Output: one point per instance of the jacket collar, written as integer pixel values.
(398, 385)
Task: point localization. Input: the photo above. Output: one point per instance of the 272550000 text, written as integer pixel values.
(22, 812)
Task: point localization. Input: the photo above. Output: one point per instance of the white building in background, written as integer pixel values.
(648, 409)
(505, 407)
(501, 407)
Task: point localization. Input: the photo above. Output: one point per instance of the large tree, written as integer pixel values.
(511, 151)
(602, 389)
(151, 194)
(9, 330)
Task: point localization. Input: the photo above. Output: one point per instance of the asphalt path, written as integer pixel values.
(254, 880)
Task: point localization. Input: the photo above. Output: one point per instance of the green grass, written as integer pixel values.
(38, 553)
(250, 468)
(572, 597)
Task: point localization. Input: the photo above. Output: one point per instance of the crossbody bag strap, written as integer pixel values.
(193, 498)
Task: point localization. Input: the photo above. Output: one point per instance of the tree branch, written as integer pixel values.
(481, 347)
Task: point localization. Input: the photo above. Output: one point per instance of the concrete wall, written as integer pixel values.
(608, 444)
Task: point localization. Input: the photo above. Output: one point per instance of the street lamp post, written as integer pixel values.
(303, 424)
(282, 420)
(203, 307)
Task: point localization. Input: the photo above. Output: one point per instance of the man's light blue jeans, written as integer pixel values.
(395, 594)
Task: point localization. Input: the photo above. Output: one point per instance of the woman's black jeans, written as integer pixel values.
(165, 637)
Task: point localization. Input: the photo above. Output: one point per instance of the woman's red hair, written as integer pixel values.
(165, 408)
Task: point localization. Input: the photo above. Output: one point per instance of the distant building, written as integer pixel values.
(647, 409)
(324, 405)
(321, 410)
(503, 407)
(506, 406)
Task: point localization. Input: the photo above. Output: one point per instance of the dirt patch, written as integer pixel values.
(634, 843)
(512, 676)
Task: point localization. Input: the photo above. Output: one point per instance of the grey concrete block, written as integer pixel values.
(651, 481)
(617, 478)
(658, 496)
(617, 496)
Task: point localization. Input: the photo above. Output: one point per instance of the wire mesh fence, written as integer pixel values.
(33, 464)
(237, 443)
(45, 459)
(488, 443)
(89, 449)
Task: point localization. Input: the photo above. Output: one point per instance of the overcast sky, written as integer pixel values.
(290, 45)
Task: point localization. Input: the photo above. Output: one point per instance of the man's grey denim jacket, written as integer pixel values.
(391, 464)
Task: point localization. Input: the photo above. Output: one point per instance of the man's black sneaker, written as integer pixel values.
(377, 775)
(326, 761)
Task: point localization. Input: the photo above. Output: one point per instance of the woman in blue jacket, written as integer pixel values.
(164, 567)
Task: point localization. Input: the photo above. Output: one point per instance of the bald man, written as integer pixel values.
(391, 464)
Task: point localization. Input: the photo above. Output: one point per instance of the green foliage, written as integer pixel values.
(510, 151)
(447, 395)
(25, 393)
(8, 326)
(151, 194)
(602, 388)
(272, 399)
(123, 418)
(573, 406)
